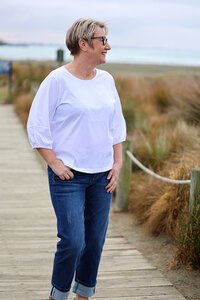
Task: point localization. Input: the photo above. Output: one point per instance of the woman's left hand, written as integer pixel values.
(113, 176)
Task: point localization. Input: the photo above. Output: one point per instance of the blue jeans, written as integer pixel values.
(82, 207)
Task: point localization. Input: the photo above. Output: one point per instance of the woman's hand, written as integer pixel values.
(61, 170)
(113, 176)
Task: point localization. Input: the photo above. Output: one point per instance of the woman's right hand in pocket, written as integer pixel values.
(61, 170)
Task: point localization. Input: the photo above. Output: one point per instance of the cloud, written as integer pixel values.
(130, 22)
(156, 37)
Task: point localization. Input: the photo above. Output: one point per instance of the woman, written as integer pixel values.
(77, 126)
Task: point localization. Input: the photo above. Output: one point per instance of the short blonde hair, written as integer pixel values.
(82, 29)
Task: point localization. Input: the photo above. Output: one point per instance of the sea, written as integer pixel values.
(182, 57)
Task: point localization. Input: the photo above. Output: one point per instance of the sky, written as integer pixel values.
(170, 24)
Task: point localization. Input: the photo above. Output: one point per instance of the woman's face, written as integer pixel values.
(99, 50)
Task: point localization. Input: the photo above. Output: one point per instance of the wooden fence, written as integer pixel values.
(123, 188)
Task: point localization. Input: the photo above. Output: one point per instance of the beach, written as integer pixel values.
(149, 70)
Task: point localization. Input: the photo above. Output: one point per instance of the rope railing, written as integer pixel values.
(125, 180)
(150, 172)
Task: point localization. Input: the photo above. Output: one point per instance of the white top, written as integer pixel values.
(79, 119)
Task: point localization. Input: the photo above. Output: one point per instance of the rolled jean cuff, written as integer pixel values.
(58, 295)
(83, 290)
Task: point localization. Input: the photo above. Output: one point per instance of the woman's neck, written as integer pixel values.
(81, 70)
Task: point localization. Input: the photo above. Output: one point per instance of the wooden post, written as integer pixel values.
(60, 56)
(194, 189)
(123, 187)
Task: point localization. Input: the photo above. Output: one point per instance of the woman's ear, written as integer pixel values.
(83, 44)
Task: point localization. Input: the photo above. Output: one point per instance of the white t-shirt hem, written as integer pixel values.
(86, 170)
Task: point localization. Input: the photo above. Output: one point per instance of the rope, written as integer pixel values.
(141, 166)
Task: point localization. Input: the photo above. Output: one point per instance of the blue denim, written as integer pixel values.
(82, 207)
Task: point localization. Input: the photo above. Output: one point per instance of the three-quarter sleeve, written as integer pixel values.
(119, 124)
(41, 114)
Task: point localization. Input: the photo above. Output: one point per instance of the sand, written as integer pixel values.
(148, 70)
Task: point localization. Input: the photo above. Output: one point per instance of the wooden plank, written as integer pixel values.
(154, 297)
(137, 291)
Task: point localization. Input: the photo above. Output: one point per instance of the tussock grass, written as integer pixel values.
(130, 114)
(144, 191)
(26, 79)
(4, 94)
(22, 106)
(160, 95)
(154, 149)
(165, 214)
(34, 71)
(188, 242)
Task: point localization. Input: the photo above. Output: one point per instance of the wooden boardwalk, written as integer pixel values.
(28, 233)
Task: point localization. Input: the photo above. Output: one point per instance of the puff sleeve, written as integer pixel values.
(41, 114)
(119, 125)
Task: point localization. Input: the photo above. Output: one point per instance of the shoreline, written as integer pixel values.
(132, 69)
(151, 69)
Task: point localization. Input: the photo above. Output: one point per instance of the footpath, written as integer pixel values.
(28, 233)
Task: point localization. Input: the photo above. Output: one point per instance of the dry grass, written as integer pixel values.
(188, 242)
(22, 106)
(165, 214)
(4, 94)
(141, 199)
(26, 79)
(34, 71)
(154, 149)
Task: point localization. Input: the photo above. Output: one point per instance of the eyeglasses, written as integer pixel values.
(103, 39)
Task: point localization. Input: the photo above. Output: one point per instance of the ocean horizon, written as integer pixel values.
(42, 52)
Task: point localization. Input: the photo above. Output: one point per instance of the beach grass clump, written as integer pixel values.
(185, 139)
(129, 112)
(129, 87)
(28, 74)
(34, 71)
(143, 194)
(160, 95)
(26, 79)
(136, 90)
(5, 90)
(124, 86)
(155, 145)
(22, 105)
(157, 149)
(186, 99)
(5, 96)
(134, 116)
(188, 241)
(191, 112)
(171, 207)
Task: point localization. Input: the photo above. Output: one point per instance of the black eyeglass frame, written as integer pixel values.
(103, 39)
